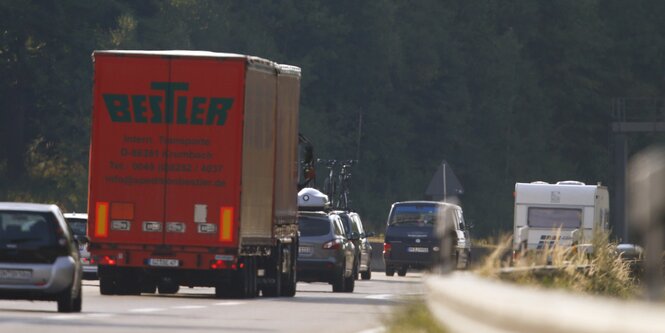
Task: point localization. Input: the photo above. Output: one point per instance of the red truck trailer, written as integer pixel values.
(193, 173)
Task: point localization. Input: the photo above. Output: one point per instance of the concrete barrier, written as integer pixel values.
(464, 302)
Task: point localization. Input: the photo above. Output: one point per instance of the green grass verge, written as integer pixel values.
(413, 317)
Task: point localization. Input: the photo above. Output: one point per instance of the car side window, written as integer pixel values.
(339, 229)
(460, 217)
(356, 225)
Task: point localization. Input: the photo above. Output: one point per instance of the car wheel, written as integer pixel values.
(367, 274)
(390, 271)
(350, 283)
(68, 302)
(402, 271)
(339, 283)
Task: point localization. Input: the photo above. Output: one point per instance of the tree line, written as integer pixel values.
(505, 91)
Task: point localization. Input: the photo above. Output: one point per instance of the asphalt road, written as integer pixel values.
(314, 309)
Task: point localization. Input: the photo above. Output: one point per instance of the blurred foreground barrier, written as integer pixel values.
(464, 302)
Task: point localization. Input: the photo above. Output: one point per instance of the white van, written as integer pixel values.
(541, 209)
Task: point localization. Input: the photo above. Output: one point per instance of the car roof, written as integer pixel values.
(76, 215)
(28, 206)
(316, 213)
(440, 203)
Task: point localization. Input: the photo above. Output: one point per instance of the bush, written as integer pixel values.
(595, 269)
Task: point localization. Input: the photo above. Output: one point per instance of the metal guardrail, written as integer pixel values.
(465, 302)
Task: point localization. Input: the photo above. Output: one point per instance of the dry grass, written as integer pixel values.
(600, 272)
(413, 317)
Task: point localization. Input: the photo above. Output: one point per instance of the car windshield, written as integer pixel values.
(30, 228)
(414, 214)
(78, 226)
(313, 226)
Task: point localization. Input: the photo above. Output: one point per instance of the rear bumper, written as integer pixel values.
(312, 270)
(46, 282)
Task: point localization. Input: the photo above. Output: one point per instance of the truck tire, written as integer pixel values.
(390, 271)
(243, 281)
(290, 281)
(274, 264)
(106, 280)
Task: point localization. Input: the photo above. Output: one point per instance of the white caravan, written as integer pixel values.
(567, 212)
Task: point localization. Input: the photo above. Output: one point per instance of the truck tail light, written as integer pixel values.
(218, 264)
(332, 245)
(386, 248)
(226, 224)
(102, 220)
(107, 260)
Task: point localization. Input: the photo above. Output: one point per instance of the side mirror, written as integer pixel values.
(354, 236)
(82, 239)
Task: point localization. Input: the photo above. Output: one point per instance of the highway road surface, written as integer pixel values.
(314, 309)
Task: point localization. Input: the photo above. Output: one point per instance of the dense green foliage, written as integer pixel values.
(505, 91)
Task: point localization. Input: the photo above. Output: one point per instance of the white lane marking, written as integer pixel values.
(381, 296)
(228, 303)
(66, 317)
(188, 307)
(100, 315)
(379, 329)
(145, 310)
(80, 316)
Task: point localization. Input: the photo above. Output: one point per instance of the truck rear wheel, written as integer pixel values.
(290, 281)
(243, 281)
(106, 280)
(274, 267)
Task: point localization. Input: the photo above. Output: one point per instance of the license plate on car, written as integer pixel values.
(15, 274)
(160, 262)
(305, 250)
(418, 249)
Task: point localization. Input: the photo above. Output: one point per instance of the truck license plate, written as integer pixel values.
(15, 274)
(164, 262)
(418, 249)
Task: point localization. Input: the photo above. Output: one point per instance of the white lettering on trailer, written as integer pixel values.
(175, 227)
(122, 225)
(152, 226)
(207, 228)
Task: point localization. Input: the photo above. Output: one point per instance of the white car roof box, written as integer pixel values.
(312, 199)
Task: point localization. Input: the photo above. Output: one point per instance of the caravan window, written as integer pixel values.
(540, 217)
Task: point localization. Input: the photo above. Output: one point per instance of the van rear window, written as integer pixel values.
(414, 214)
(543, 217)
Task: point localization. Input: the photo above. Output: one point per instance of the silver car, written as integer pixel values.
(325, 254)
(356, 233)
(39, 259)
(78, 222)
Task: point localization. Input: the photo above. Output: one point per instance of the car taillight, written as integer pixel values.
(387, 247)
(332, 245)
(107, 260)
